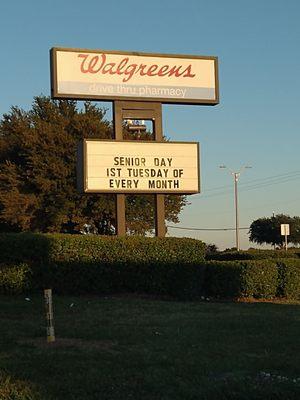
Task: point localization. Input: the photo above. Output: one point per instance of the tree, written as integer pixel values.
(38, 173)
(267, 230)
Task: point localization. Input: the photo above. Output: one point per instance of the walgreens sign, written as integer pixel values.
(107, 75)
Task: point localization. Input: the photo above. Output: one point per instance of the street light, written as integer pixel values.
(236, 176)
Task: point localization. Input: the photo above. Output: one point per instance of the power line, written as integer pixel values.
(271, 182)
(203, 229)
(258, 180)
(247, 187)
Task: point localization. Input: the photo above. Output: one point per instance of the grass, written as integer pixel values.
(145, 349)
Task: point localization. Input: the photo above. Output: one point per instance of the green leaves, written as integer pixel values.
(106, 264)
(267, 230)
(38, 190)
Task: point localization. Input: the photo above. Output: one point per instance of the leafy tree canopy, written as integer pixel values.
(38, 173)
(267, 230)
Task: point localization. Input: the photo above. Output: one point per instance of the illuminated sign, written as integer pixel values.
(140, 167)
(108, 75)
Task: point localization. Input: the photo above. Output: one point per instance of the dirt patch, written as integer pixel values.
(99, 345)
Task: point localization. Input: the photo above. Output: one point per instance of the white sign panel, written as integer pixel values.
(107, 75)
(140, 167)
(285, 229)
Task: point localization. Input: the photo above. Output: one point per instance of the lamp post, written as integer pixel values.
(236, 176)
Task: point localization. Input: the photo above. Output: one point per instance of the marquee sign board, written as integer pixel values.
(140, 167)
(112, 75)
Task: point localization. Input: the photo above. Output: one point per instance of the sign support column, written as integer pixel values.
(160, 226)
(139, 110)
(120, 198)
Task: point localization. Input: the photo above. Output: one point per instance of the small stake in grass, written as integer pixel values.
(49, 315)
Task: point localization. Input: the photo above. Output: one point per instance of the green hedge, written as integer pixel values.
(241, 279)
(289, 278)
(160, 266)
(252, 255)
(98, 264)
(73, 248)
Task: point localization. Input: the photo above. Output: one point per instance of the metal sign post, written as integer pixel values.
(139, 110)
(285, 231)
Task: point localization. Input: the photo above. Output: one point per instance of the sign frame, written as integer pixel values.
(82, 169)
(56, 95)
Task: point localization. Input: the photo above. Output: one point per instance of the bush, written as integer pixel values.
(15, 279)
(289, 278)
(63, 247)
(175, 267)
(241, 279)
(22, 247)
(15, 389)
(99, 264)
(252, 255)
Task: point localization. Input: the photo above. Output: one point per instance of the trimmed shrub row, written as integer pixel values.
(289, 278)
(220, 279)
(55, 248)
(259, 278)
(171, 266)
(97, 264)
(252, 255)
(242, 279)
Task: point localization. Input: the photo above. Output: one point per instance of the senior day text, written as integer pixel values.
(159, 173)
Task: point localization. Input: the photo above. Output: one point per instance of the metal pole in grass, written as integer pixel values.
(49, 315)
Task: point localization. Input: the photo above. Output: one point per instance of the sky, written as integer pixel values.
(256, 123)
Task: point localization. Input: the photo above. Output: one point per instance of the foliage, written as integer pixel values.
(105, 264)
(289, 278)
(211, 249)
(16, 389)
(241, 278)
(15, 279)
(252, 255)
(158, 266)
(38, 173)
(267, 230)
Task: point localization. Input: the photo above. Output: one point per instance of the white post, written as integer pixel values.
(49, 315)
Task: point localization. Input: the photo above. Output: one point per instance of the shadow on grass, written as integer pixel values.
(127, 348)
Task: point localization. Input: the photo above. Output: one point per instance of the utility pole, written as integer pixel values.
(236, 176)
(274, 247)
(237, 225)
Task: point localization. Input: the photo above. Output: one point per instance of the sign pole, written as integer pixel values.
(160, 225)
(286, 242)
(49, 315)
(120, 198)
(139, 110)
